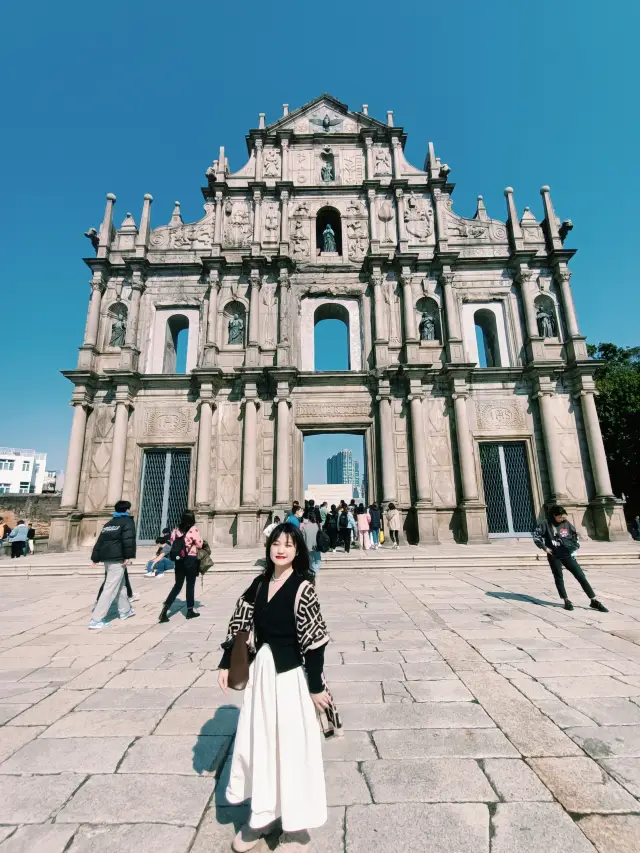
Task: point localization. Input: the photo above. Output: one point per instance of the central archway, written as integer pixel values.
(314, 311)
(331, 338)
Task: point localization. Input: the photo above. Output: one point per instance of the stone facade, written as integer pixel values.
(415, 388)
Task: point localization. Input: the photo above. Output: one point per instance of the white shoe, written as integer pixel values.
(128, 614)
(294, 842)
(150, 575)
(135, 597)
(247, 838)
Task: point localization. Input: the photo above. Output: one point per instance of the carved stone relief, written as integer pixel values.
(393, 320)
(331, 412)
(301, 166)
(271, 163)
(197, 235)
(418, 218)
(229, 443)
(300, 239)
(382, 162)
(167, 422)
(357, 239)
(473, 229)
(238, 225)
(440, 463)
(386, 215)
(271, 223)
(352, 167)
(500, 415)
(269, 314)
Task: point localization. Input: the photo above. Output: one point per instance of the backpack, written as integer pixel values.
(323, 543)
(343, 521)
(178, 549)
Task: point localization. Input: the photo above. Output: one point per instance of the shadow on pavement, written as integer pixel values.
(528, 599)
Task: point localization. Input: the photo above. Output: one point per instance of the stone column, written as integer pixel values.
(452, 335)
(382, 333)
(254, 307)
(564, 277)
(142, 240)
(93, 315)
(601, 478)
(106, 227)
(418, 435)
(373, 216)
(259, 145)
(554, 461)
(285, 159)
(465, 450)
(284, 332)
(118, 452)
(409, 311)
(257, 217)
(212, 320)
(249, 485)
(525, 277)
(403, 240)
(387, 451)
(396, 150)
(283, 453)
(137, 289)
(74, 456)
(217, 228)
(369, 158)
(284, 218)
(203, 470)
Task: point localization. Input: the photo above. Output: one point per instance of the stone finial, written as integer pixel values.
(551, 223)
(285, 109)
(145, 226)
(176, 216)
(365, 109)
(261, 123)
(111, 197)
(527, 216)
(106, 228)
(148, 197)
(390, 118)
(128, 224)
(481, 210)
(515, 230)
(508, 191)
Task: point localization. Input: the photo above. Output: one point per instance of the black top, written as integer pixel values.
(275, 625)
(117, 541)
(31, 533)
(561, 538)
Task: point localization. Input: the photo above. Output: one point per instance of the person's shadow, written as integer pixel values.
(212, 753)
(527, 599)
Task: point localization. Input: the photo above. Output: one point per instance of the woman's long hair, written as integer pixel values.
(360, 510)
(187, 521)
(301, 559)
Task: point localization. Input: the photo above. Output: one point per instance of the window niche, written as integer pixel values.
(176, 344)
(487, 338)
(546, 317)
(328, 231)
(234, 324)
(117, 325)
(428, 322)
(333, 347)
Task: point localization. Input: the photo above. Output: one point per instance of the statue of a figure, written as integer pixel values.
(329, 239)
(545, 323)
(427, 327)
(326, 172)
(118, 332)
(236, 330)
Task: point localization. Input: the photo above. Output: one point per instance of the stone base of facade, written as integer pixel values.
(608, 520)
(427, 518)
(64, 532)
(473, 523)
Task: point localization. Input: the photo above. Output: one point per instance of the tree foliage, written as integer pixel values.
(618, 403)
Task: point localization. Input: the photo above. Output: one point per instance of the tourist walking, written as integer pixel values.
(331, 526)
(310, 529)
(393, 520)
(558, 538)
(31, 538)
(18, 539)
(374, 525)
(277, 755)
(295, 516)
(127, 584)
(115, 547)
(344, 528)
(363, 519)
(185, 544)
(324, 512)
(353, 527)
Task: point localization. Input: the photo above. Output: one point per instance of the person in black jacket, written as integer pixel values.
(115, 547)
(559, 539)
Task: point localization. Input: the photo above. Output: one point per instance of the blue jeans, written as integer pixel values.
(375, 536)
(163, 565)
(315, 561)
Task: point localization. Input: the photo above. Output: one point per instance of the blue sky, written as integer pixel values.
(137, 97)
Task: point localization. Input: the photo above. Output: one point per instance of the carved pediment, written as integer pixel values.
(324, 115)
(185, 236)
(474, 231)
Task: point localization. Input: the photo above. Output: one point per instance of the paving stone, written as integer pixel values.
(6, 831)
(446, 743)
(626, 771)
(52, 674)
(8, 712)
(96, 676)
(209, 697)
(396, 691)
(421, 655)
(609, 711)
(12, 738)
(345, 784)
(155, 678)
(367, 692)
(536, 828)
(423, 715)
(372, 657)
(439, 828)
(218, 827)
(33, 799)
(427, 671)
(68, 755)
(49, 838)
(588, 687)
(176, 754)
(563, 669)
(428, 780)
(112, 723)
(514, 780)
(199, 721)
(612, 833)
(606, 741)
(134, 838)
(439, 691)
(581, 786)
(142, 798)
(352, 746)
(52, 708)
(363, 672)
(529, 731)
(155, 698)
(22, 693)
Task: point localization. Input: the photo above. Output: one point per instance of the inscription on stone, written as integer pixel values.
(500, 415)
(167, 422)
(329, 411)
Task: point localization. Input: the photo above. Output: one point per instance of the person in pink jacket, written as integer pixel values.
(363, 520)
(185, 544)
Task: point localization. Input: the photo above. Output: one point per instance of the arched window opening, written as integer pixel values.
(176, 344)
(429, 326)
(328, 231)
(487, 338)
(235, 323)
(546, 317)
(331, 338)
(117, 330)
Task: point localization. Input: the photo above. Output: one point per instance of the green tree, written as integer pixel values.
(618, 402)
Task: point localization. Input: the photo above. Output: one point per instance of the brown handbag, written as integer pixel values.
(240, 660)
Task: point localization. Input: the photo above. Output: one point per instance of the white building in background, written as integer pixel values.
(22, 472)
(53, 482)
(332, 493)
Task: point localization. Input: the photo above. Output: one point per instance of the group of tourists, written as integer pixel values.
(347, 524)
(21, 539)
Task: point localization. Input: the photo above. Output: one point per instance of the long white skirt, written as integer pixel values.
(277, 757)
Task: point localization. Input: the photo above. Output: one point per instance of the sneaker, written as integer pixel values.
(247, 838)
(192, 614)
(96, 626)
(128, 614)
(597, 605)
(135, 597)
(568, 605)
(294, 842)
(150, 575)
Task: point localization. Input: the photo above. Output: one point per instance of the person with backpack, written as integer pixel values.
(374, 525)
(344, 528)
(558, 538)
(186, 541)
(363, 520)
(393, 524)
(115, 547)
(331, 527)
(18, 539)
(315, 539)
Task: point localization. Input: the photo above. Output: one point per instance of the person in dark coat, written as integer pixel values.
(331, 526)
(559, 539)
(115, 547)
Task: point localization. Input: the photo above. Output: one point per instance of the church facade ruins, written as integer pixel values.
(467, 374)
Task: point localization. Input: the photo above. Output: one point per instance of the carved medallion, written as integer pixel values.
(167, 422)
(500, 415)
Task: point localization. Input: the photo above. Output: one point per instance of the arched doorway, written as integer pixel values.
(328, 216)
(487, 338)
(331, 338)
(176, 344)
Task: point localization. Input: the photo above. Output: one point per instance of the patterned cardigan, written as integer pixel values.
(310, 626)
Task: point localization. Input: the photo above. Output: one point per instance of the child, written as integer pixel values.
(559, 538)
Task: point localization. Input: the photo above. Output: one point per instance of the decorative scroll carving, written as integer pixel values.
(271, 163)
(473, 229)
(197, 235)
(500, 415)
(418, 218)
(167, 422)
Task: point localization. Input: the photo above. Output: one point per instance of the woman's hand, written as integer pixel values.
(321, 700)
(223, 679)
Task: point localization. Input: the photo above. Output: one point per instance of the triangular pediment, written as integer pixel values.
(325, 114)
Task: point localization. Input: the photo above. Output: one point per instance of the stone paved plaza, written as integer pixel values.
(479, 716)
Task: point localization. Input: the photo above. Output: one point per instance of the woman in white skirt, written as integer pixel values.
(277, 757)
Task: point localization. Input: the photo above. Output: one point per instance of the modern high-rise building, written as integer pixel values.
(340, 467)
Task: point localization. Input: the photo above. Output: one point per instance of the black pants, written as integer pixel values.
(345, 536)
(126, 581)
(395, 536)
(332, 533)
(567, 561)
(187, 571)
(17, 549)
